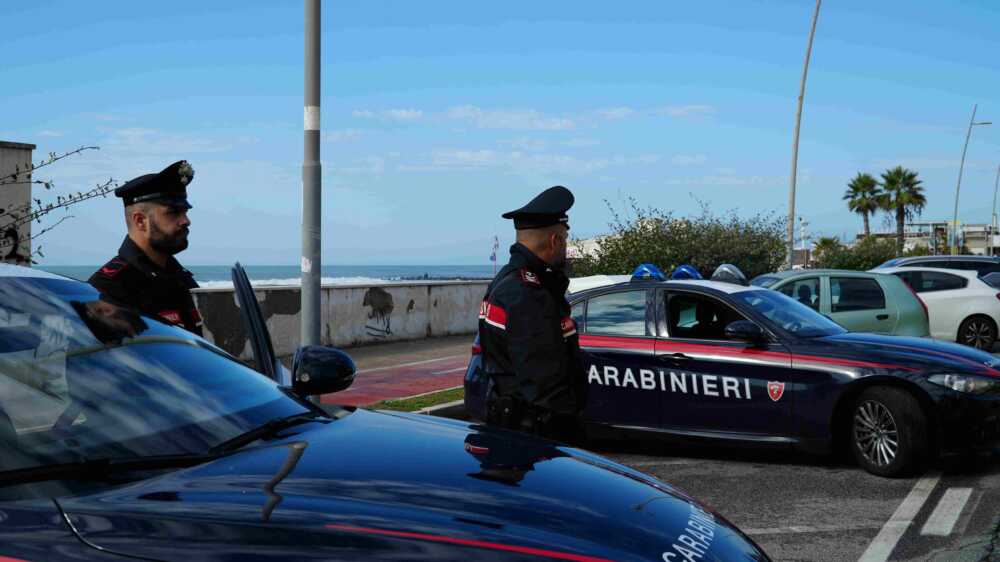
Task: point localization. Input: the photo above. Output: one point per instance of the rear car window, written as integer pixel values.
(855, 293)
(617, 314)
(806, 291)
(929, 281)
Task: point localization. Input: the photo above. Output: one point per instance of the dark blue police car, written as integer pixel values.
(124, 438)
(707, 359)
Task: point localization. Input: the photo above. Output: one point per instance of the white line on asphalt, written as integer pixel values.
(415, 363)
(801, 529)
(881, 548)
(945, 515)
(449, 371)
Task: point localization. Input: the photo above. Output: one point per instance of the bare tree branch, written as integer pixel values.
(12, 179)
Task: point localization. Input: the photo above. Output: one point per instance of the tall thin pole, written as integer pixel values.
(311, 180)
(993, 223)
(795, 142)
(958, 186)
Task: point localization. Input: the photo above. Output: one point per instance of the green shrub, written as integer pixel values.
(756, 244)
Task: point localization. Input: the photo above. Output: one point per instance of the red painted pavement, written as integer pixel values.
(388, 383)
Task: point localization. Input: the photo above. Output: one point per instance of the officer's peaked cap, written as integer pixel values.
(547, 208)
(169, 187)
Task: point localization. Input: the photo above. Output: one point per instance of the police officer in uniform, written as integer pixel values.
(144, 275)
(530, 348)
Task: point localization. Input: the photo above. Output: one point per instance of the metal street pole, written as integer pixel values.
(993, 223)
(958, 186)
(795, 143)
(311, 181)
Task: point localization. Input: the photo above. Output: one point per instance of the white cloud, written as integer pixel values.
(342, 135)
(686, 110)
(525, 143)
(52, 134)
(614, 113)
(688, 159)
(580, 143)
(515, 119)
(524, 162)
(389, 114)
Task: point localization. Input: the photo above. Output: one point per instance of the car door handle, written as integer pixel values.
(882, 316)
(674, 358)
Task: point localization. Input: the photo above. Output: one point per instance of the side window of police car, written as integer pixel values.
(693, 316)
(615, 314)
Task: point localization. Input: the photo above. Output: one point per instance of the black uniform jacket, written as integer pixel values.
(529, 342)
(132, 279)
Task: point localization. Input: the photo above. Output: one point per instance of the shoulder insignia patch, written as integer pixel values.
(113, 268)
(529, 277)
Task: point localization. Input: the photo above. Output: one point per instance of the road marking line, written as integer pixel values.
(413, 364)
(449, 371)
(945, 515)
(881, 548)
(802, 529)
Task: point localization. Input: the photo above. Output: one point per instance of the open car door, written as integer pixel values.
(253, 320)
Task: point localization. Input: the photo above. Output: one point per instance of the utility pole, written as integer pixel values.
(958, 186)
(993, 223)
(311, 181)
(795, 142)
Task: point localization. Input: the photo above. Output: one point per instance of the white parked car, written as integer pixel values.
(962, 307)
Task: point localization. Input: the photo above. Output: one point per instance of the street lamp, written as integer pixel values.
(958, 186)
(795, 144)
(993, 223)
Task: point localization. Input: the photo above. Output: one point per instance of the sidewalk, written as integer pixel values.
(398, 370)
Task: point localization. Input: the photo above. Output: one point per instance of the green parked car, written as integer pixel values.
(857, 300)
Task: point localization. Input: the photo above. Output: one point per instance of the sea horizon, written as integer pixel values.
(219, 275)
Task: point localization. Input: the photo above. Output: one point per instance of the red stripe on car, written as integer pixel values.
(469, 542)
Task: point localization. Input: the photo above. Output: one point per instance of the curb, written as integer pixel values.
(436, 407)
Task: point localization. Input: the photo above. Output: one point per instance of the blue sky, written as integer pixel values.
(438, 116)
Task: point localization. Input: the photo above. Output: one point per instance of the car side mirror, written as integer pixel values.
(744, 330)
(318, 369)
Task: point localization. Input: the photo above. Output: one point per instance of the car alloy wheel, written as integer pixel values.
(978, 333)
(875, 433)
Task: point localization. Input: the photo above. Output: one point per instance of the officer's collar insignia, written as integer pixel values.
(529, 277)
(186, 172)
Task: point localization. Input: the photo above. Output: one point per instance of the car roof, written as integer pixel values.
(9, 270)
(807, 272)
(967, 273)
(966, 257)
(728, 288)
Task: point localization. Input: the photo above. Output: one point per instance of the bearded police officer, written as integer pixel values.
(529, 343)
(144, 275)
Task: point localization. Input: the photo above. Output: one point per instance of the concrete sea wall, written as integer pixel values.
(350, 315)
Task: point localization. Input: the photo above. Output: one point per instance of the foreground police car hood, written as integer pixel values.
(383, 486)
(906, 353)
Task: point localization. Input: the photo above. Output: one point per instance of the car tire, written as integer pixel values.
(888, 432)
(979, 332)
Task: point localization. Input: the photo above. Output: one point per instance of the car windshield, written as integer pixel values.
(789, 314)
(763, 281)
(83, 379)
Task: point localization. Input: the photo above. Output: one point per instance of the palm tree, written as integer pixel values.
(903, 197)
(823, 247)
(862, 197)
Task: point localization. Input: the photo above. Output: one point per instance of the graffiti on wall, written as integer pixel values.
(380, 303)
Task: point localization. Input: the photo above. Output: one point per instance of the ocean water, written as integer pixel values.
(219, 275)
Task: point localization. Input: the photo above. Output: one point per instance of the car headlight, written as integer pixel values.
(967, 383)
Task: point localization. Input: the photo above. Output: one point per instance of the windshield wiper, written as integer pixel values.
(268, 429)
(89, 469)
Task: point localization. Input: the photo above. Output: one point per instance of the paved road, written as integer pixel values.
(808, 508)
